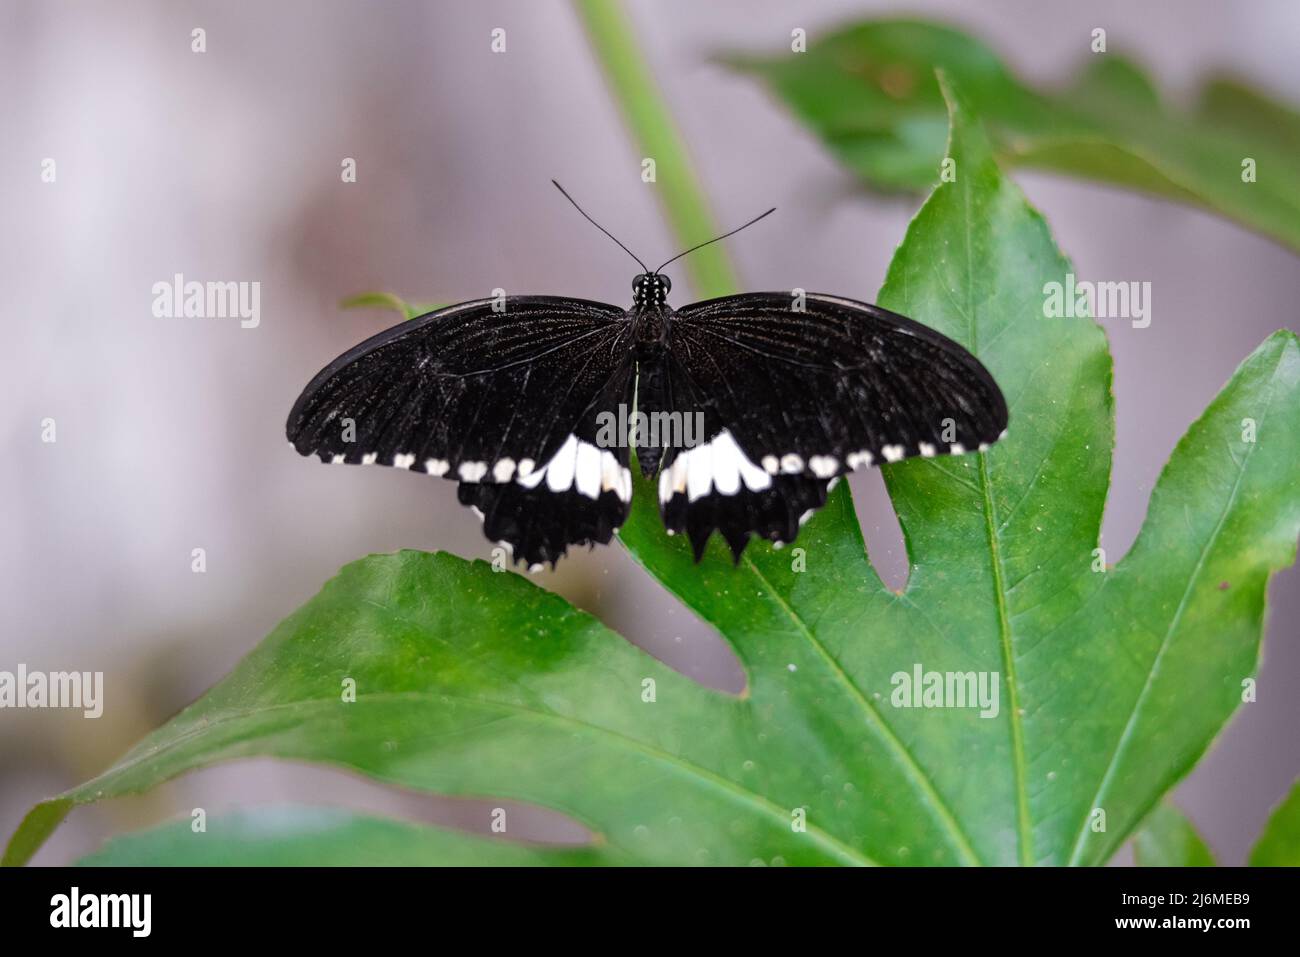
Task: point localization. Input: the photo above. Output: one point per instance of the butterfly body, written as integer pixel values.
(746, 408)
(651, 316)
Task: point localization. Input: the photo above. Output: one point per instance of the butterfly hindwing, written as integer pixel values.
(580, 495)
(736, 503)
(500, 395)
(706, 482)
(796, 391)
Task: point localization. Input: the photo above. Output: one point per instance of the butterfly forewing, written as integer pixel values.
(820, 384)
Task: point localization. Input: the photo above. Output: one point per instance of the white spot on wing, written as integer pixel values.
(699, 471)
(791, 463)
(472, 471)
(824, 466)
(726, 464)
(614, 478)
(893, 453)
(579, 465)
(403, 461)
(369, 458)
(679, 473)
(586, 475)
(927, 450)
(755, 479)
(503, 470)
(717, 466)
(559, 470)
(436, 466)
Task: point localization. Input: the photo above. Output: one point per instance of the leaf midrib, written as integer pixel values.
(958, 838)
(1024, 825)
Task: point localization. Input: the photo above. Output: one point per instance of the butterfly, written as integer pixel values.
(747, 408)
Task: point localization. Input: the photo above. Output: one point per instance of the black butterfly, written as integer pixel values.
(750, 408)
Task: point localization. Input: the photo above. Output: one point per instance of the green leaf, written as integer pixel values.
(1182, 614)
(471, 682)
(1167, 839)
(1112, 683)
(324, 837)
(1279, 845)
(1099, 668)
(869, 92)
(386, 300)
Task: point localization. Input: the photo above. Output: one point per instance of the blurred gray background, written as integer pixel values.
(225, 166)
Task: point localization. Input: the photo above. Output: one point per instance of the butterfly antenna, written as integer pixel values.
(716, 238)
(600, 227)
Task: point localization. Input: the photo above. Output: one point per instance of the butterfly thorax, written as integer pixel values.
(650, 314)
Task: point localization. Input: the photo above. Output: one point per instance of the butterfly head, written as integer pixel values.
(651, 289)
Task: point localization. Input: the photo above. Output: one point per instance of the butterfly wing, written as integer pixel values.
(795, 392)
(706, 481)
(503, 400)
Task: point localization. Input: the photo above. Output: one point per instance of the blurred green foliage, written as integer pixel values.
(869, 92)
(1167, 839)
(1279, 845)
